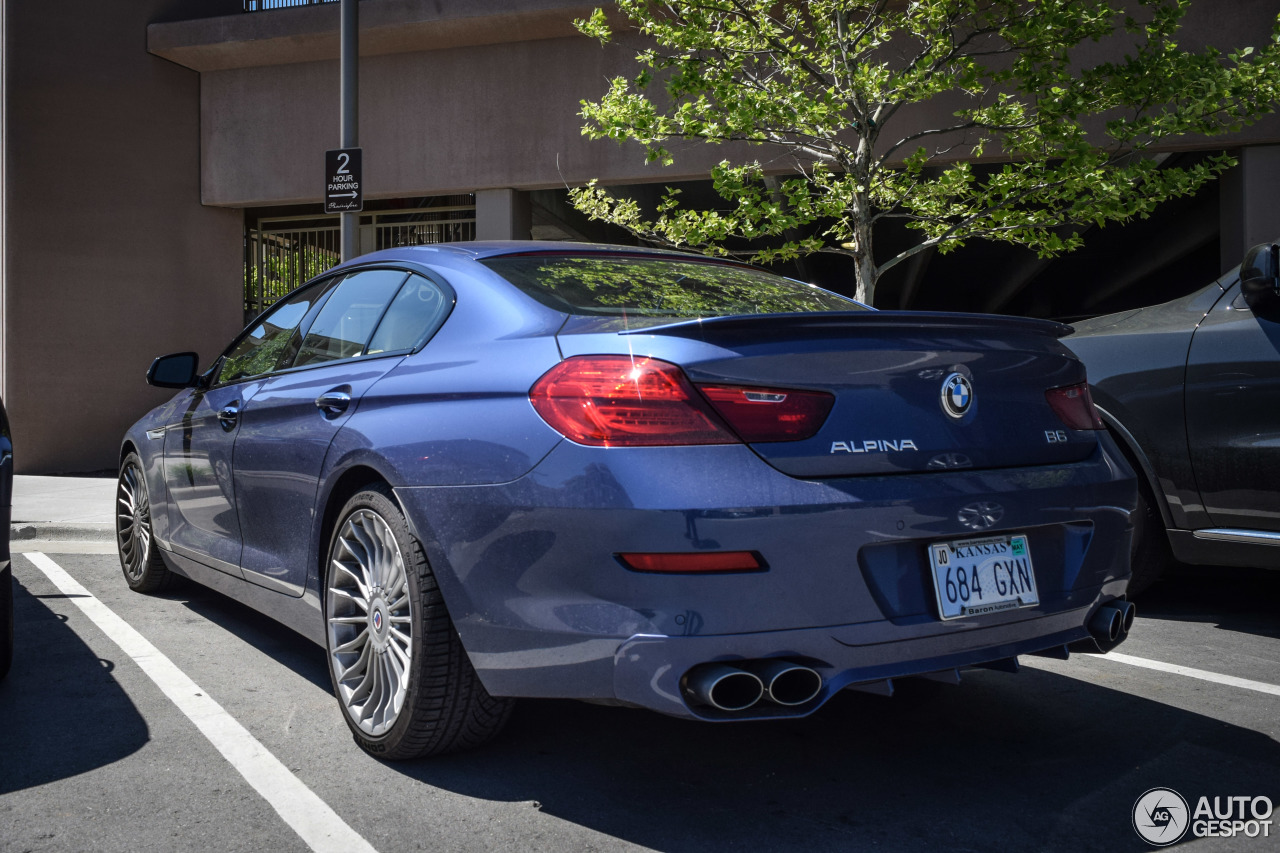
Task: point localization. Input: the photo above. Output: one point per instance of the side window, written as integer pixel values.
(266, 346)
(417, 310)
(347, 320)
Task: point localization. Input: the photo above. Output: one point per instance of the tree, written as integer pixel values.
(835, 90)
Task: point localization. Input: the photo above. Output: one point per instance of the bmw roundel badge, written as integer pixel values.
(957, 395)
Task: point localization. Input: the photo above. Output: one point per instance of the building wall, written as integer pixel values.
(459, 102)
(109, 257)
(431, 123)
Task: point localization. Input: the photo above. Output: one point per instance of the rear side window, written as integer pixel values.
(416, 311)
(349, 317)
(660, 287)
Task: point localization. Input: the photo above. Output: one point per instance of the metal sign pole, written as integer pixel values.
(349, 102)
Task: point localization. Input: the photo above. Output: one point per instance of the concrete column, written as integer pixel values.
(1248, 193)
(503, 215)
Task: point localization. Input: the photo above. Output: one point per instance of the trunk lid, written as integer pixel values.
(887, 371)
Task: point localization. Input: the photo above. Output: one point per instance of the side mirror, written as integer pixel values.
(1260, 278)
(174, 371)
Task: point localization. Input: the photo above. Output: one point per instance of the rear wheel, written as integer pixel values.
(140, 559)
(405, 684)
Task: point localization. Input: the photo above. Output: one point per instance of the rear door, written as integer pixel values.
(1233, 415)
(366, 326)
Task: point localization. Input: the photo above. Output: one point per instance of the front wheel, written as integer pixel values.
(405, 684)
(140, 559)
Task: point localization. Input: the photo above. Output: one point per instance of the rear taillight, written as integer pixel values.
(770, 414)
(619, 401)
(1074, 406)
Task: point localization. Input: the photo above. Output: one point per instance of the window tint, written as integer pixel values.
(348, 318)
(416, 310)
(266, 347)
(660, 287)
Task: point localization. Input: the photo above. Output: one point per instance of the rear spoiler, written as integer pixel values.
(819, 324)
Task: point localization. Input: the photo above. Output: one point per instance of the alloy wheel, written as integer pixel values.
(370, 622)
(133, 522)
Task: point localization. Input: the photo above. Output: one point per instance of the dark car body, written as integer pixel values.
(6, 572)
(1191, 391)
(542, 545)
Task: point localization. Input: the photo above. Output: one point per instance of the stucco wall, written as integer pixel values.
(110, 259)
(431, 123)
(489, 112)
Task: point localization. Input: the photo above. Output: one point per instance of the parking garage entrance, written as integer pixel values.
(284, 248)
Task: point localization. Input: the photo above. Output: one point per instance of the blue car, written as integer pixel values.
(481, 471)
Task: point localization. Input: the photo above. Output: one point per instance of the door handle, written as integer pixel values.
(333, 403)
(228, 415)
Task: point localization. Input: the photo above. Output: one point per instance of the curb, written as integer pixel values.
(62, 532)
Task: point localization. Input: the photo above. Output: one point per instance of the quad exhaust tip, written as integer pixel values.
(725, 687)
(737, 688)
(787, 684)
(1111, 623)
(1105, 624)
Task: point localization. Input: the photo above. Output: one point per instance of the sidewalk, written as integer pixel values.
(63, 508)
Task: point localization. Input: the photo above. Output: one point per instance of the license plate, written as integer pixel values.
(977, 576)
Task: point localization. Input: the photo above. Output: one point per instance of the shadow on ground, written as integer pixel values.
(284, 645)
(1236, 599)
(61, 711)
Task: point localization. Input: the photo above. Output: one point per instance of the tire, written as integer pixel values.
(1150, 553)
(140, 559)
(6, 620)
(399, 671)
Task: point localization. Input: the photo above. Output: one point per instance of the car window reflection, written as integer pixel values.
(267, 343)
(349, 318)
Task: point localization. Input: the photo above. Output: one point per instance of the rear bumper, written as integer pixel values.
(648, 671)
(529, 575)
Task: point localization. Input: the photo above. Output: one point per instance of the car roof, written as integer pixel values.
(481, 249)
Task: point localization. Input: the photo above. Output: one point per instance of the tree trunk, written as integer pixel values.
(863, 256)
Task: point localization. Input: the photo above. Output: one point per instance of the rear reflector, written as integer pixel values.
(770, 414)
(620, 401)
(1074, 406)
(695, 563)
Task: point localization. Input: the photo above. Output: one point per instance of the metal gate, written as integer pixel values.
(283, 252)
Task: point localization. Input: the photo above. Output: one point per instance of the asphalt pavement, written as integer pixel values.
(99, 750)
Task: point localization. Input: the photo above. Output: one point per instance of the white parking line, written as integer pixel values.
(1203, 675)
(308, 815)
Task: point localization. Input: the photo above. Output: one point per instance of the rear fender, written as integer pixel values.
(1128, 445)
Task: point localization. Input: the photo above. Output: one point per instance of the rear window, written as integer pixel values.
(660, 287)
